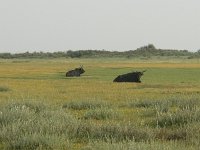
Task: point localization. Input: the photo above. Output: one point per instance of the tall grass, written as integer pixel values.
(109, 131)
(178, 118)
(88, 104)
(173, 145)
(101, 114)
(31, 126)
(34, 126)
(164, 105)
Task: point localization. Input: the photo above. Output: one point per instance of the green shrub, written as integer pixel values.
(178, 118)
(4, 89)
(110, 131)
(131, 145)
(101, 114)
(32, 126)
(79, 105)
(189, 104)
(163, 106)
(158, 105)
(171, 134)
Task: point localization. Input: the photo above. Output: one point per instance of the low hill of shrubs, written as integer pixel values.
(144, 51)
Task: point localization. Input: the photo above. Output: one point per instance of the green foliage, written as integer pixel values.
(79, 105)
(169, 113)
(32, 126)
(34, 55)
(101, 114)
(109, 131)
(178, 118)
(4, 89)
(131, 145)
(146, 51)
(6, 55)
(182, 104)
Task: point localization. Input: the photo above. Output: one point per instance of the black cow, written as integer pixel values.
(75, 73)
(129, 77)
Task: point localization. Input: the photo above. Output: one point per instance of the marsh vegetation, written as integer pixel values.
(42, 109)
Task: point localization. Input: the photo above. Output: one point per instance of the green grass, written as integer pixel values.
(172, 76)
(42, 109)
(101, 114)
(4, 89)
(88, 104)
(173, 145)
(35, 126)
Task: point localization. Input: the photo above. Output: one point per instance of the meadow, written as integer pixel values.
(42, 109)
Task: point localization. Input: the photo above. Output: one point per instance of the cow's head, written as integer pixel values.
(80, 70)
(139, 74)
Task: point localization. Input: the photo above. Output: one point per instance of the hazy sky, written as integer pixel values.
(59, 25)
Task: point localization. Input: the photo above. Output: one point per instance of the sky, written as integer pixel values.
(115, 25)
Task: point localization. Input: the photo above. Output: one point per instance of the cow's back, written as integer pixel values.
(72, 73)
(129, 77)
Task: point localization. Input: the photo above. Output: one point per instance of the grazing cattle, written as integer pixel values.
(75, 73)
(129, 77)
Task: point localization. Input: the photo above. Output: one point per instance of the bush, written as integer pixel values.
(171, 134)
(131, 145)
(86, 105)
(101, 114)
(109, 131)
(4, 89)
(32, 126)
(178, 118)
(157, 105)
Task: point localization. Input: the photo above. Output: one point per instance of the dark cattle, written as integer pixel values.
(129, 77)
(75, 73)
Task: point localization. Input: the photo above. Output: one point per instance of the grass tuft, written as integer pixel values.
(109, 131)
(101, 114)
(178, 118)
(4, 89)
(79, 105)
(131, 145)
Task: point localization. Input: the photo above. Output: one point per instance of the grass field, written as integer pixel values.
(42, 109)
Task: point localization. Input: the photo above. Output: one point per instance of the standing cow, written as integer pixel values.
(129, 77)
(76, 72)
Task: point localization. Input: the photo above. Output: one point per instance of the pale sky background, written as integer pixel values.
(60, 25)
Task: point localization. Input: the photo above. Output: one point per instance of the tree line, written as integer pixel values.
(144, 51)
